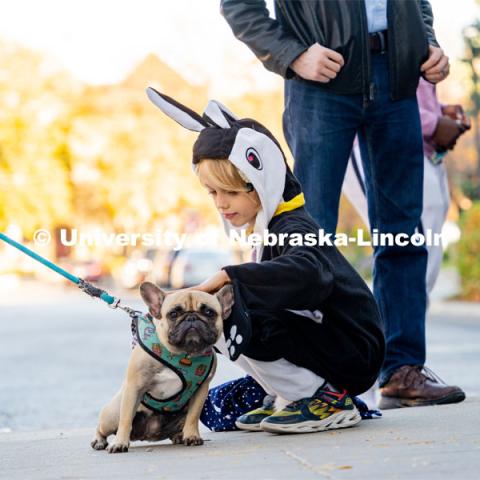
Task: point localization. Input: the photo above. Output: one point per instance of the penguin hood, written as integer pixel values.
(251, 148)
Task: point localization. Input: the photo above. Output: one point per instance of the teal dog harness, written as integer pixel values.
(192, 370)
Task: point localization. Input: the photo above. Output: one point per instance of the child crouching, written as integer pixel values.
(316, 335)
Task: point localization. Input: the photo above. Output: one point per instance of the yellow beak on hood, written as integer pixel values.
(296, 202)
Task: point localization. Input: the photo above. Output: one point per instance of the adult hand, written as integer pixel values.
(446, 133)
(212, 284)
(318, 63)
(437, 67)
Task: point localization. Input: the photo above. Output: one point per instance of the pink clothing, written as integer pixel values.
(430, 111)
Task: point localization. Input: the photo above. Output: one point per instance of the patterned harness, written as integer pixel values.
(192, 370)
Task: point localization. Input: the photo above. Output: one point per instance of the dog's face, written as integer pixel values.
(188, 321)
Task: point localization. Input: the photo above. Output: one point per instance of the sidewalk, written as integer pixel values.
(37, 390)
(417, 443)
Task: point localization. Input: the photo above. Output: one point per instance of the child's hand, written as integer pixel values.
(214, 283)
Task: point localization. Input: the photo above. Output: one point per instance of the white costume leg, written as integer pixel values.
(436, 201)
(280, 378)
(354, 184)
(244, 365)
(286, 379)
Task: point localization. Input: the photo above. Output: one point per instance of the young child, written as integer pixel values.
(316, 335)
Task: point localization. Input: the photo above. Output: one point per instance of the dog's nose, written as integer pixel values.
(191, 318)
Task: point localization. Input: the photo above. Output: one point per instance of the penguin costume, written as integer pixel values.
(301, 305)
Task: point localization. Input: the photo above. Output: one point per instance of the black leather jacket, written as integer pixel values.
(342, 26)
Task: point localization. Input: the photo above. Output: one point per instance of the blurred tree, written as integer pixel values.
(103, 156)
(34, 174)
(471, 37)
(469, 253)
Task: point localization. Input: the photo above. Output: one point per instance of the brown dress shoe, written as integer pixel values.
(415, 386)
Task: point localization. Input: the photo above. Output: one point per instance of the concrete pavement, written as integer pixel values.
(423, 443)
(73, 359)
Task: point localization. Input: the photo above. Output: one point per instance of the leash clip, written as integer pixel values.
(115, 303)
(131, 311)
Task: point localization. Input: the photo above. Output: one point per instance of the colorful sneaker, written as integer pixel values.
(326, 410)
(251, 420)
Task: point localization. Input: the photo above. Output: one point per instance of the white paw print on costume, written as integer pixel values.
(233, 340)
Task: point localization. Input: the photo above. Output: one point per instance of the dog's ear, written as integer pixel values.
(153, 297)
(219, 115)
(226, 298)
(180, 113)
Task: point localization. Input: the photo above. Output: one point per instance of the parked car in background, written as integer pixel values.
(194, 265)
(88, 270)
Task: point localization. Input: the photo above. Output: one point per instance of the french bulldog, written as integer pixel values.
(185, 321)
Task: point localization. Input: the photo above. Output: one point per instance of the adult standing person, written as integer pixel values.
(352, 67)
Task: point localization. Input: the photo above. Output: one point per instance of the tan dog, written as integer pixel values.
(185, 322)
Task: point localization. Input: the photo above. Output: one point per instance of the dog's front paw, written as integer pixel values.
(99, 443)
(119, 447)
(192, 440)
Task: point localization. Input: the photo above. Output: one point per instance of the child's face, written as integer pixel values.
(238, 208)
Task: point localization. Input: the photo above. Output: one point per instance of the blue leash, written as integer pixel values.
(88, 288)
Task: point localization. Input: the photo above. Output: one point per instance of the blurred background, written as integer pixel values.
(82, 147)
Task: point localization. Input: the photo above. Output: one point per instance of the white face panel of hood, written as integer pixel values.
(262, 162)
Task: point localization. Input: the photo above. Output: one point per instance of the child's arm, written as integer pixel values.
(214, 283)
(299, 278)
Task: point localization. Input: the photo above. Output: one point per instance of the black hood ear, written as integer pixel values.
(180, 113)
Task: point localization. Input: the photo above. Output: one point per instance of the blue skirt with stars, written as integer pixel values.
(229, 401)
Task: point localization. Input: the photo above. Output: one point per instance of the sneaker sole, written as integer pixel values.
(338, 420)
(388, 403)
(254, 427)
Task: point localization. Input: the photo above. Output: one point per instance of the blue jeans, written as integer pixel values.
(320, 128)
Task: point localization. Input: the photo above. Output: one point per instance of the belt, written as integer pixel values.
(378, 41)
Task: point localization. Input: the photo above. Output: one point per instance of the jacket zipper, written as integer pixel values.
(391, 51)
(368, 86)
